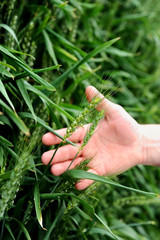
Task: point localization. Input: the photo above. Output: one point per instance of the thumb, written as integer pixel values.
(110, 109)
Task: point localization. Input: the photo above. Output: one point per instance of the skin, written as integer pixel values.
(118, 144)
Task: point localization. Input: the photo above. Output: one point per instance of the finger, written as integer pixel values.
(112, 110)
(63, 153)
(59, 168)
(77, 136)
(84, 183)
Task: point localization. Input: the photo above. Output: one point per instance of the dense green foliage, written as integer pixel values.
(49, 52)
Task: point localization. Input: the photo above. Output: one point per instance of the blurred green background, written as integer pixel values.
(49, 52)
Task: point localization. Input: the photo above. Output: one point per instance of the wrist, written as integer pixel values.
(151, 144)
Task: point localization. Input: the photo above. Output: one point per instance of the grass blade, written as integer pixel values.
(64, 5)
(87, 175)
(1, 160)
(23, 228)
(65, 42)
(49, 47)
(106, 226)
(15, 118)
(9, 54)
(7, 65)
(20, 53)
(118, 52)
(12, 153)
(66, 54)
(10, 231)
(50, 196)
(25, 74)
(4, 93)
(51, 103)
(42, 123)
(10, 30)
(56, 220)
(26, 97)
(100, 48)
(37, 205)
(6, 73)
(5, 141)
(40, 80)
(28, 70)
(5, 120)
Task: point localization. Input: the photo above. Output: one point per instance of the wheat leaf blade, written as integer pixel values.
(49, 47)
(100, 48)
(42, 123)
(4, 93)
(37, 205)
(41, 94)
(87, 175)
(25, 96)
(10, 30)
(15, 118)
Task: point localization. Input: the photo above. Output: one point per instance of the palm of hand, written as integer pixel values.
(115, 146)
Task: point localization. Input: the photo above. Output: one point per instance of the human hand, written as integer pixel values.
(115, 146)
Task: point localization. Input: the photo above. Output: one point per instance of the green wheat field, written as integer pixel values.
(50, 51)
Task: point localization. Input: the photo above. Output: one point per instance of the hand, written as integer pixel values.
(115, 146)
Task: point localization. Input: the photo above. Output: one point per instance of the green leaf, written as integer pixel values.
(5, 120)
(20, 53)
(49, 47)
(42, 123)
(1, 158)
(27, 69)
(78, 52)
(9, 150)
(10, 30)
(10, 231)
(40, 80)
(51, 103)
(26, 74)
(82, 213)
(4, 176)
(125, 230)
(128, 17)
(58, 217)
(118, 52)
(66, 54)
(87, 175)
(77, 224)
(23, 228)
(5, 51)
(63, 5)
(65, 42)
(100, 48)
(106, 226)
(71, 108)
(37, 205)
(15, 118)
(43, 24)
(51, 196)
(25, 95)
(7, 65)
(13, 90)
(5, 141)
(6, 73)
(3, 91)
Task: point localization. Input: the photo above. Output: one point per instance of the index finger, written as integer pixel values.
(112, 110)
(77, 136)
